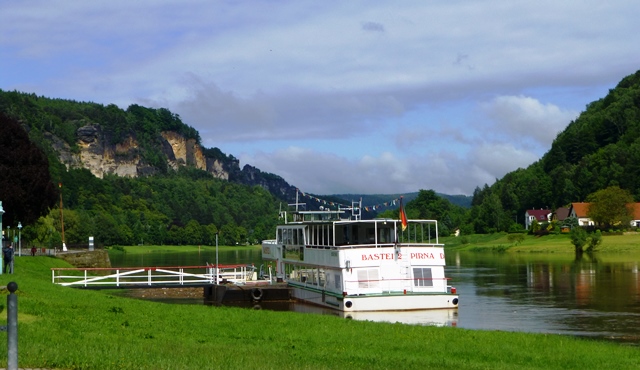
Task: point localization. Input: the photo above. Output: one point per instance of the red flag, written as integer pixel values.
(403, 216)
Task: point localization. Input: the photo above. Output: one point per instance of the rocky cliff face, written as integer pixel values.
(124, 159)
(273, 183)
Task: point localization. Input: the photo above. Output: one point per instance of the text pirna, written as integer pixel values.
(412, 256)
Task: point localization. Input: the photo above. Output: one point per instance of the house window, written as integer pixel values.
(422, 277)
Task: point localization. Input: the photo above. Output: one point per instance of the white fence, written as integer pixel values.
(148, 276)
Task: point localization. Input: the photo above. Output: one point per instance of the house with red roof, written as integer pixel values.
(579, 211)
(635, 221)
(540, 215)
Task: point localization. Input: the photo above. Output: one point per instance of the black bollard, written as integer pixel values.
(12, 327)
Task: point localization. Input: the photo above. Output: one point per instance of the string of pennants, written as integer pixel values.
(391, 203)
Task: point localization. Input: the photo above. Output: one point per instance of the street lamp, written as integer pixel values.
(19, 238)
(217, 265)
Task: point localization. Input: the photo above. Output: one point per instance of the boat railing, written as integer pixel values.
(380, 245)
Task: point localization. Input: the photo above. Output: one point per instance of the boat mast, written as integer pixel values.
(356, 209)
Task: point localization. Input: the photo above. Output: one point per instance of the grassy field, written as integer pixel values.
(66, 328)
(561, 243)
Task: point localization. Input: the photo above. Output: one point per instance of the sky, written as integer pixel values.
(360, 97)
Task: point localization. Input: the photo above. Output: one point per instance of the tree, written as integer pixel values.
(26, 189)
(578, 239)
(610, 206)
(571, 222)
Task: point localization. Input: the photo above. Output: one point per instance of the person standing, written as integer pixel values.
(7, 256)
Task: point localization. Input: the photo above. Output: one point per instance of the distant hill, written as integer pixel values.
(380, 199)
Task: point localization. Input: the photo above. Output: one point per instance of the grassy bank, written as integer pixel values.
(500, 242)
(142, 249)
(69, 328)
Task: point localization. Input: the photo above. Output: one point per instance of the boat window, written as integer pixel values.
(338, 282)
(384, 235)
(422, 277)
(346, 234)
(371, 234)
(368, 278)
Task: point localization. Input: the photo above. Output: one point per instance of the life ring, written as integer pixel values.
(256, 294)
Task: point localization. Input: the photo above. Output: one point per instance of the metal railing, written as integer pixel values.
(148, 276)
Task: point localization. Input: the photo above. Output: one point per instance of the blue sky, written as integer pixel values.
(352, 96)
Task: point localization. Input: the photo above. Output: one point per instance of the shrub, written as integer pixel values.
(515, 238)
(594, 241)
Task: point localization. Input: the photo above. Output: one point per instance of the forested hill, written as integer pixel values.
(135, 142)
(601, 148)
(135, 176)
(131, 176)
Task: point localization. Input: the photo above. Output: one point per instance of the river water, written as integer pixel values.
(596, 296)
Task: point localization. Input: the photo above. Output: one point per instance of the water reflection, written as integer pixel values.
(164, 258)
(594, 297)
(421, 317)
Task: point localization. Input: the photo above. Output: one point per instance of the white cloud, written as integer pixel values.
(520, 117)
(360, 96)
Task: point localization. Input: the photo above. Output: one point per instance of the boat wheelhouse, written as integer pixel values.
(330, 259)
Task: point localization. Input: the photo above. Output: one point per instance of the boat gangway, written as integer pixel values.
(165, 276)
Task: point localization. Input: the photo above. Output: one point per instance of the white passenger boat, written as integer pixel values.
(333, 259)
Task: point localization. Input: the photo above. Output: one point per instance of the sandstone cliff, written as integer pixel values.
(95, 153)
(123, 159)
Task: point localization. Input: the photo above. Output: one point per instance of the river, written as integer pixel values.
(596, 296)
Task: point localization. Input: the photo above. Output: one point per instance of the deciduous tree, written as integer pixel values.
(610, 206)
(26, 189)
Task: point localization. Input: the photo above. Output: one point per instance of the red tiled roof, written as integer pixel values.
(635, 207)
(580, 209)
(539, 214)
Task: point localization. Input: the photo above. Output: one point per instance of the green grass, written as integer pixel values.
(560, 244)
(69, 328)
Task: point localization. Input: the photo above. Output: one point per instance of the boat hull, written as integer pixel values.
(375, 302)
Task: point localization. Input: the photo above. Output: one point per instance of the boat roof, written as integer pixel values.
(341, 217)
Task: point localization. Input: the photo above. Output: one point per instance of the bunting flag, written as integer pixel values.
(403, 216)
(368, 208)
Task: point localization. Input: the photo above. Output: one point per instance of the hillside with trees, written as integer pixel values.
(600, 149)
(187, 206)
